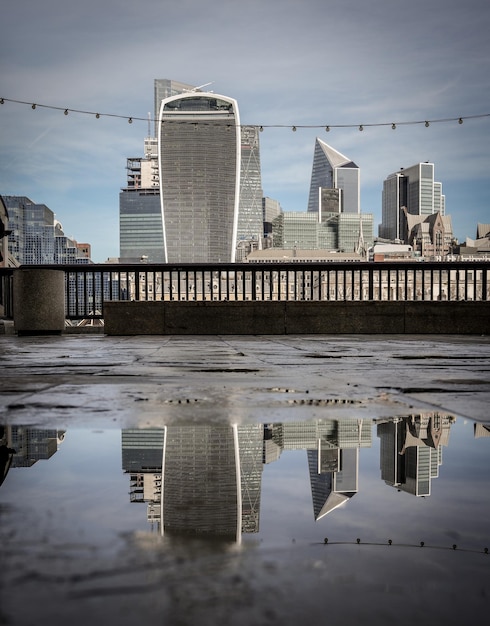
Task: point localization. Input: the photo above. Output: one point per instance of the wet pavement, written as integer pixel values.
(245, 480)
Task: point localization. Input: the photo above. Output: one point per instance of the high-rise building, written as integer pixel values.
(411, 190)
(165, 88)
(250, 218)
(199, 144)
(186, 217)
(333, 171)
(140, 216)
(36, 237)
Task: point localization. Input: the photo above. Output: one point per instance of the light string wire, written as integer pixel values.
(422, 544)
(327, 127)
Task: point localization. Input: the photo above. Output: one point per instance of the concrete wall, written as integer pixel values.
(291, 318)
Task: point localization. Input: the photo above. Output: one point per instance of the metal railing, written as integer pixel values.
(88, 286)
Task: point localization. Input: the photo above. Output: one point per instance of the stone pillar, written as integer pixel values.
(39, 301)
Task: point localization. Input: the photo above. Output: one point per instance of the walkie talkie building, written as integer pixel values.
(199, 154)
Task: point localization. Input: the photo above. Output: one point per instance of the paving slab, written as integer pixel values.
(144, 380)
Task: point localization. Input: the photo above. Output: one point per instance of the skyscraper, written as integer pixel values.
(140, 216)
(36, 237)
(413, 189)
(332, 170)
(199, 151)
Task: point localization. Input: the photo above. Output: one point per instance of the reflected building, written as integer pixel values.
(482, 430)
(142, 451)
(411, 450)
(333, 456)
(23, 446)
(334, 477)
(211, 480)
(201, 480)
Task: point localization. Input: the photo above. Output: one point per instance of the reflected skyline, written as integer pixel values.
(205, 480)
(208, 482)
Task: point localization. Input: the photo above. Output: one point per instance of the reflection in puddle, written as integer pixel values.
(207, 480)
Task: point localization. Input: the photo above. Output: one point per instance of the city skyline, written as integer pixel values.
(75, 163)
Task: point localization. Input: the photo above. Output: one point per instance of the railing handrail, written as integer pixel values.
(88, 285)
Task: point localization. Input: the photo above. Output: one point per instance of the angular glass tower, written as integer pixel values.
(333, 170)
(199, 155)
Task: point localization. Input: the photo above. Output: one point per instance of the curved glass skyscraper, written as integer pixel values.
(199, 155)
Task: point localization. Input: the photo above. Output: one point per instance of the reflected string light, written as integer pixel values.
(260, 127)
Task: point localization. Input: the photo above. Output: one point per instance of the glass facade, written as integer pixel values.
(140, 226)
(199, 166)
(36, 238)
(336, 231)
(412, 188)
(250, 220)
(333, 170)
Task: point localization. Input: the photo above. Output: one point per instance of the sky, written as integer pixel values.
(303, 63)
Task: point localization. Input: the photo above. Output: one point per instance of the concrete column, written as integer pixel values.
(39, 301)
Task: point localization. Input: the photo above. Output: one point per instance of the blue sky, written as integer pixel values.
(304, 63)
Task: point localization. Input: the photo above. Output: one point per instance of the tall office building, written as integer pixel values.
(413, 190)
(165, 88)
(36, 237)
(140, 216)
(250, 216)
(333, 171)
(191, 208)
(199, 150)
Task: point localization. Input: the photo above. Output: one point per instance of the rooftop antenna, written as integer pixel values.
(198, 88)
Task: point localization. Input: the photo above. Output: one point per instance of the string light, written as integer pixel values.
(262, 126)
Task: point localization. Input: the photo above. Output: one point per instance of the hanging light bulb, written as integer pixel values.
(460, 121)
(393, 126)
(2, 101)
(261, 129)
(97, 115)
(130, 120)
(361, 127)
(33, 106)
(294, 129)
(66, 111)
(427, 124)
(327, 129)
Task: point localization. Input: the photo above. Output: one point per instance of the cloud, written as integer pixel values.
(317, 62)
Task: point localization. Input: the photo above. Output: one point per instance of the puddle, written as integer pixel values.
(246, 523)
(269, 484)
